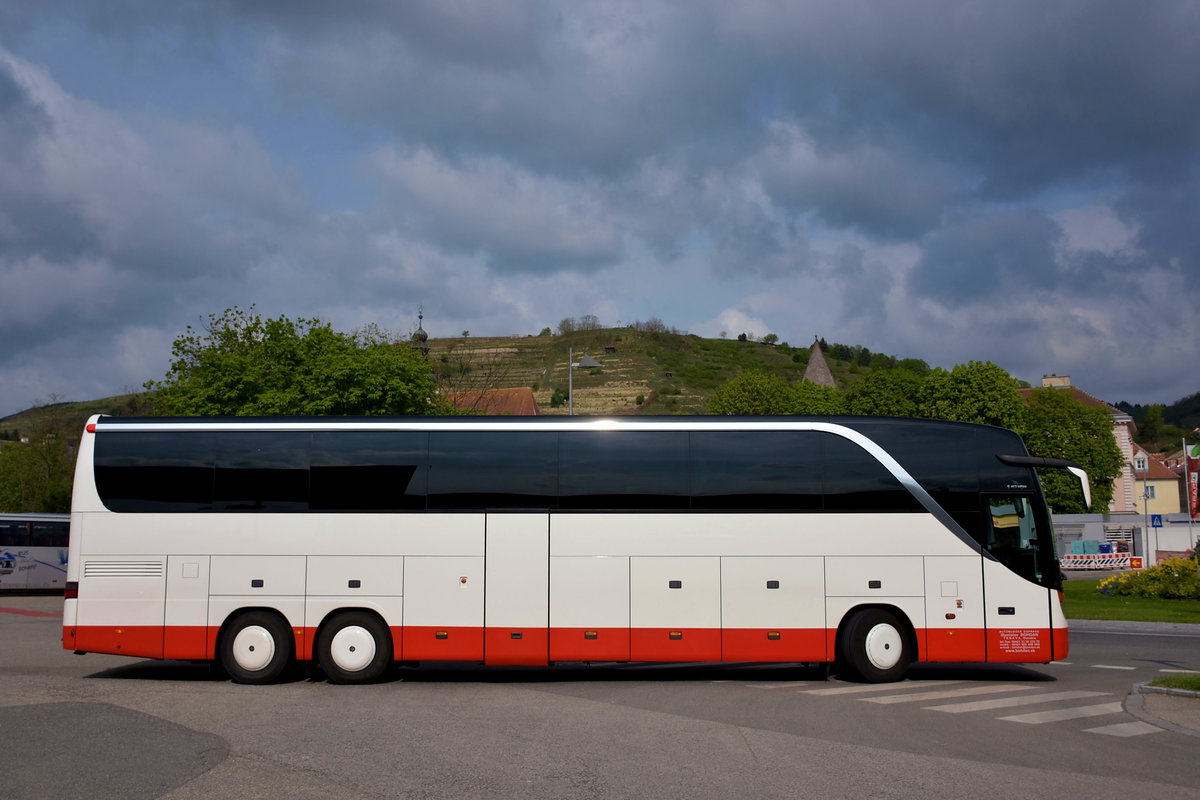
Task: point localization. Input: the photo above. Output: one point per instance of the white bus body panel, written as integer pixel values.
(589, 592)
(445, 591)
(120, 606)
(749, 535)
(517, 589)
(871, 576)
(1017, 616)
(954, 608)
(747, 602)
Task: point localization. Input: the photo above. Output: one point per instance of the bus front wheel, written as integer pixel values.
(256, 648)
(354, 647)
(875, 646)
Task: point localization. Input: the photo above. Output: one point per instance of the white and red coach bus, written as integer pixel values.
(525, 541)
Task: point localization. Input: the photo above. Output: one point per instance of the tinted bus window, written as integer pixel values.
(501, 469)
(261, 471)
(852, 480)
(738, 470)
(14, 534)
(366, 471)
(616, 471)
(51, 534)
(148, 471)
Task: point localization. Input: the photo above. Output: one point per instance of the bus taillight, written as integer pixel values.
(72, 591)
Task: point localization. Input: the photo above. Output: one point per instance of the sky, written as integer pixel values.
(1014, 182)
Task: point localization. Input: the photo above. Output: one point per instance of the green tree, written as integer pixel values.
(891, 393)
(241, 364)
(1059, 426)
(914, 365)
(754, 392)
(36, 476)
(1152, 424)
(978, 391)
(812, 399)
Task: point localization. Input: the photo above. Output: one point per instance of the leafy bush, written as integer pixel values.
(1173, 579)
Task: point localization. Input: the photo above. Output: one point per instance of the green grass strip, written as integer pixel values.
(1084, 601)
(1189, 682)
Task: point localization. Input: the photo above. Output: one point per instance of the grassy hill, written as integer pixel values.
(641, 373)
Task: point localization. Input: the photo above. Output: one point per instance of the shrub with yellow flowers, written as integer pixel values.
(1173, 579)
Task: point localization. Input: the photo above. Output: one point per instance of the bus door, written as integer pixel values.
(516, 613)
(1018, 559)
(954, 609)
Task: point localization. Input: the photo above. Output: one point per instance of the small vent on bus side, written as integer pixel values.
(122, 569)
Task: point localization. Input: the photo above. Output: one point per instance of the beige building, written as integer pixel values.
(1157, 487)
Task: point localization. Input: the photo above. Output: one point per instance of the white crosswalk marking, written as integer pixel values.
(1058, 715)
(1110, 666)
(1009, 702)
(876, 687)
(1125, 729)
(967, 692)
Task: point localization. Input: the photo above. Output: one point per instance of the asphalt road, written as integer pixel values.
(104, 726)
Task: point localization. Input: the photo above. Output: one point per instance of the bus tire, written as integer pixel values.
(256, 647)
(354, 647)
(875, 646)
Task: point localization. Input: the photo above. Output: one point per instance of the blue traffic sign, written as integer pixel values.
(1156, 521)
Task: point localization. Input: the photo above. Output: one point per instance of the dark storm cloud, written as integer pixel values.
(981, 257)
(1025, 93)
(1020, 171)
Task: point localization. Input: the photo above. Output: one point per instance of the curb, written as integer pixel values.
(1145, 688)
(1133, 704)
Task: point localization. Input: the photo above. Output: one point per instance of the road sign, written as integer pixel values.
(1156, 521)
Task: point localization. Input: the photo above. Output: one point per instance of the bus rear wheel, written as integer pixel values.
(256, 648)
(875, 646)
(354, 647)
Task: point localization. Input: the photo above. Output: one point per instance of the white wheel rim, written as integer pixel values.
(884, 646)
(352, 648)
(253, 648)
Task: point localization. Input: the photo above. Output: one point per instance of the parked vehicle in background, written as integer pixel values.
(33, 551)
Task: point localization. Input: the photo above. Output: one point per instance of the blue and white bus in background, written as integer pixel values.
(33, 551)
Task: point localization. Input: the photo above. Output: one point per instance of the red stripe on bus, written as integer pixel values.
(539, 646)
(445, 643)
(122, 640)
(675, 644)
(186, 642)
(516, 646)
(773, 644)
(1061, 642)
(1018, 645)
(589, 644)
(954, 644)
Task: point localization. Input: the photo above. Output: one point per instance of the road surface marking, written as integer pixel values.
(1038, 717)
(1125, 729)
(1110, 666)
(27, 613)
(878, 687)
(967, 692)
(1009, 702)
